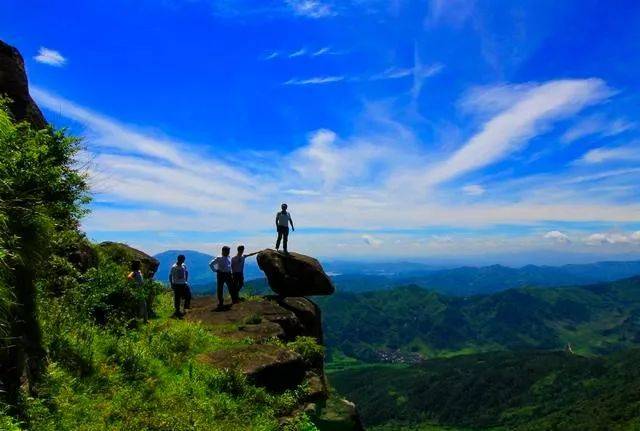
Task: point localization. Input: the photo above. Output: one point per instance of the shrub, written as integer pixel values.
(309, 349)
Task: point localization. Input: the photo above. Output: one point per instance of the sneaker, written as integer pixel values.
(178, 314)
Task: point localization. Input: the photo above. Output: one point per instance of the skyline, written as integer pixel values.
(431, 130)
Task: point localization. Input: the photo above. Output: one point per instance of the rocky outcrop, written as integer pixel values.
(294, 274)
(14, 84)
(276, 367)
(273, 367)
(124, 255)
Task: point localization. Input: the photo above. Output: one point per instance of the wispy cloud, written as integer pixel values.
(302, 52)
(627, 153)
(598, 126)
(148, 182)
(315, 80)
(508, 131)
(393, 73)
(50, 57)
(311, 8)
(298, 53)
(322, 51)
(613, 238)
(473, 190)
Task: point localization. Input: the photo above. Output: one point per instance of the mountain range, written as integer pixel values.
(459, 281)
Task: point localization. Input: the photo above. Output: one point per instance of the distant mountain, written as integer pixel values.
(529, 390)
(200, 275)
(470, 280)
(598, 319)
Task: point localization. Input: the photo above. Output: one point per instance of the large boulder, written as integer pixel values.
(294, 274)
(124, 254)
(13, 84)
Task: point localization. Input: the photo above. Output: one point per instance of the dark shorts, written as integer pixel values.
(283, 229)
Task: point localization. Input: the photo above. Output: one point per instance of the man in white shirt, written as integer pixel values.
(237, 270)
(178, 279)
(283, 219)
(221, 265)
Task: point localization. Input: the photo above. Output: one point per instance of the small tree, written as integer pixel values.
(42, 193)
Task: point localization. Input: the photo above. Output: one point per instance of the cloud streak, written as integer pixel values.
(50, 57)
(509, 131)
(318, 80)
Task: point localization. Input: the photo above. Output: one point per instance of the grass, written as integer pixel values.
(148, 378)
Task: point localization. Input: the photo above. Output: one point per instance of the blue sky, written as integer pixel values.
(444, 129)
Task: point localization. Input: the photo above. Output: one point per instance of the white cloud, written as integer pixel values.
(272, 55)
(612, 238)
(322, 51)
(629, 153)
(510, 130)
(310, 8)
(371, 240)
(473, 190)
(557, 236)
(298, 53)
(453, 12)
(315, 80)
(596, 125)
(332, 181)
(50, 57)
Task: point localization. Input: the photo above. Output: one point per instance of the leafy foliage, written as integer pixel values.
(515, 390)
(41, 197)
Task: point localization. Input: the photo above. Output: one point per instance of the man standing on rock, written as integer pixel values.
(178, 278)
(283, 219)
(237, 269)
(221, 265)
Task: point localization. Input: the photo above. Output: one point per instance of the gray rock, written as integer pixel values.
(294, 274)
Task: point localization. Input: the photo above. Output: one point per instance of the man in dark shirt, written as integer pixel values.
(237, 270)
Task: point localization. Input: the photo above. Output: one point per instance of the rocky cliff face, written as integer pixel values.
(14, 84)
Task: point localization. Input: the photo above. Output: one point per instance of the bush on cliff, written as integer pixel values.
(41, 197)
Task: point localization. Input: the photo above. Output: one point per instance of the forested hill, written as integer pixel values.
(530, 391)
(599, 318)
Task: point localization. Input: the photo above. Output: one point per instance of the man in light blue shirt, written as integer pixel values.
(221, 265)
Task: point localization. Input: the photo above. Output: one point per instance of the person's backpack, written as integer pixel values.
(180, 274)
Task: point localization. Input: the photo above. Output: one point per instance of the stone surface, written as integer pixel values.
(273, 367)
(294, 274)
(260, 319)
(124, 254)
(14, 84)
(84, 256)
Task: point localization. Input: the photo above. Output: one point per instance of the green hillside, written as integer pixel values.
(530, 390)
(595, 319)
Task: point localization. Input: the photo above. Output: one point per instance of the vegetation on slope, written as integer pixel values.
(73, 328)
(508, 390)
